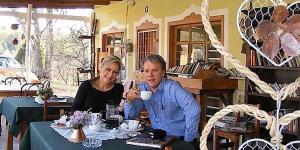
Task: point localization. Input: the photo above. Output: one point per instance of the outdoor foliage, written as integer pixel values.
(70, 52)
(56, 51)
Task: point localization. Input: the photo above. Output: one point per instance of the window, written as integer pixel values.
(189, 42)
(147, 42)
(113, 45)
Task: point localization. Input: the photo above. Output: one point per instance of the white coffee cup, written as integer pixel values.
(146, 95)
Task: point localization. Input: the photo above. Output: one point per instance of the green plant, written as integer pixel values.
(45, 92)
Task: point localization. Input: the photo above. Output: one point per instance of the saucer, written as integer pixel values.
(131, 130)
(59, 126)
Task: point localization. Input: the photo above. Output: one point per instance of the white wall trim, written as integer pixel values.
(108, 27)
(153, 20)
(187, 12)
(115, 24)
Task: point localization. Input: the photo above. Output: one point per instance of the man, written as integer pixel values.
(171, 107)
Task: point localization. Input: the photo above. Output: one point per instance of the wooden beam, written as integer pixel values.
(48, 16)
(45, 6)
(55, 3)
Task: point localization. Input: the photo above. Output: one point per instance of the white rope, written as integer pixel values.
(278, 137)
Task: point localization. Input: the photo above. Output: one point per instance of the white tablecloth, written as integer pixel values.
(103, 134)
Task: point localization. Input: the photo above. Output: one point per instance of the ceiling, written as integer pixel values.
(54, 3)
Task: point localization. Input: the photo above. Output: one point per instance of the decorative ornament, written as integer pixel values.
(14, 26)
(282, 33)
(130, 2)
(146, 9)
(272, 30)
(15, 41)
(282, 30)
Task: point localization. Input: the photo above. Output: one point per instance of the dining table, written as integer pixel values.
(14, 90)
(40, 136)
(19, 111)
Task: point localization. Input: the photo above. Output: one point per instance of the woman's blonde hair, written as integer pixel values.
(109, 60)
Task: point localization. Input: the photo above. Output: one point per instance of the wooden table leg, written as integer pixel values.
(23, 127)
(203, 103)
(198, 98)
(9, 144)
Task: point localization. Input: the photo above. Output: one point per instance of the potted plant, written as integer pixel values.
(45, 93)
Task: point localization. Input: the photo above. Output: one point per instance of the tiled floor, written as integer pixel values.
(3, 137)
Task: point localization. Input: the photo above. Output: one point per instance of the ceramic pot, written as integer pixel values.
(77, 135)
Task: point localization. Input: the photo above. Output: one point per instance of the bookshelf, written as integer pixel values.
(208, 83)
(277, 77)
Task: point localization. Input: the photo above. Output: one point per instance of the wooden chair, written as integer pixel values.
(86, 73)
(46, 84)
(60, 105)
(9, 80)
(233, 138)
(25, 89)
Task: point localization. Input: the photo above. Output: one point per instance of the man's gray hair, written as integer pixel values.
(157, 59)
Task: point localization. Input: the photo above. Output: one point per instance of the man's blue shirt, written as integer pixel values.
(171, 108)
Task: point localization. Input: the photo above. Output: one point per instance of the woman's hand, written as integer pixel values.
(133, 95)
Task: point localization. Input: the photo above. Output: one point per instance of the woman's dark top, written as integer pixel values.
(89, 97)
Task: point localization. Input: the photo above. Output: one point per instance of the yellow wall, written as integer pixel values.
(165, 8)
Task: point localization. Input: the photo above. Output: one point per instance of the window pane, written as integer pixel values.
(183, 34)
(217, 29)
(118, 51)
(118, 39)
(109, 40)
(181, 54)
(198, 33)
(197, 53)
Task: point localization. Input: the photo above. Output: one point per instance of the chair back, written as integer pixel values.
(10, 80)
(29, 89)
(46, 84)
(60, 105)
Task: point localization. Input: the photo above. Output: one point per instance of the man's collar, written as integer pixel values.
(160, 86)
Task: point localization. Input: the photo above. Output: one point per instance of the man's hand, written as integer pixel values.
(133, 95)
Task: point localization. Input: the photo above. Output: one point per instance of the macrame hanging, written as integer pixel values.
(278, 28)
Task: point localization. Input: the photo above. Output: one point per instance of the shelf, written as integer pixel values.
(212, 50)
(238, 78)
(214, 58)
(263, 126)
(86, 37)
(213, 107)
(275, 68)
(290, 133)
(268, 96)
(182, 74)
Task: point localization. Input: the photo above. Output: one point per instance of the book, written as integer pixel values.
(146, 140)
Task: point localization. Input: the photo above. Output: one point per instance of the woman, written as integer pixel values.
(94, 94)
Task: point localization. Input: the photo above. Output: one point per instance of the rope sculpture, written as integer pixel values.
(274, 123)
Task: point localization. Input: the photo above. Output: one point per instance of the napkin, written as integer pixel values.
(38, 100)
